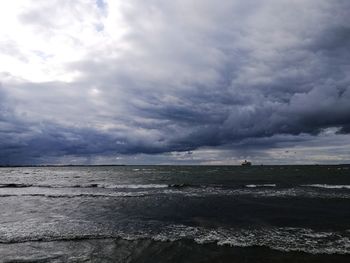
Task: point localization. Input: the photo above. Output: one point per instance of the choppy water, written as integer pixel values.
(160, 213)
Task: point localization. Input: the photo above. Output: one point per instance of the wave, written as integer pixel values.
(135, 186)
(283, 238)
(132, 186)
(163, 186)
(100, 185)
(255, 192)
(328, 186)
(260, 185)
(95, 185)
(184, 185)
(75, 195)
(143, 169)
(15, 185)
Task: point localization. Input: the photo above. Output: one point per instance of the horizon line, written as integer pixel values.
(116, 165)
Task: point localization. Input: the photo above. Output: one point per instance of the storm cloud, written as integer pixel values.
(92, 79)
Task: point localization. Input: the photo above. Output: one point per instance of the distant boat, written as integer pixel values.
(246, 163)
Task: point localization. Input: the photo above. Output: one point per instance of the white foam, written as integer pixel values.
(103, 185)
(132, 186)
(283, 239)
(328, 186)
(111, 190)
(75, 195)
(260, 185)
(278, 238)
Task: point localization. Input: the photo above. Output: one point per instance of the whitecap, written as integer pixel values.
(260, 185)
(328, 186)
(132, 186)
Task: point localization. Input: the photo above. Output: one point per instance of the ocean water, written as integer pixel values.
(175, 214)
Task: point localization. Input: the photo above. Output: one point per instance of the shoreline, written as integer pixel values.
(148, 250)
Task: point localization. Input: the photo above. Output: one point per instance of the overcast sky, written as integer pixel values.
(183, 81)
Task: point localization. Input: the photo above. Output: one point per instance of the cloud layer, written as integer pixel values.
(90, 79)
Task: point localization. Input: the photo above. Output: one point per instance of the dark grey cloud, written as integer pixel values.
(244, 76)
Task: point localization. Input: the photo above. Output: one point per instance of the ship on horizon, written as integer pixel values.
(246, 163)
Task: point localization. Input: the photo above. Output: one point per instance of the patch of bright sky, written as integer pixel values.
(38, 42)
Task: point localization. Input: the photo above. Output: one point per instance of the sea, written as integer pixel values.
(175, 214)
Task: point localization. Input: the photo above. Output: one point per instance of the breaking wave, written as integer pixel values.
(15, 185)
(328, 186)
(283, 238)
(260, 185)
(185, 190)
(97, 185)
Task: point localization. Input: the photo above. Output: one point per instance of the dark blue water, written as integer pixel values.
(175, 214)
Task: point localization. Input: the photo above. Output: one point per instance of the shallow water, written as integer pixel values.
(160, 213)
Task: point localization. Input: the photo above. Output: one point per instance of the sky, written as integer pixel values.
(174, 82)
